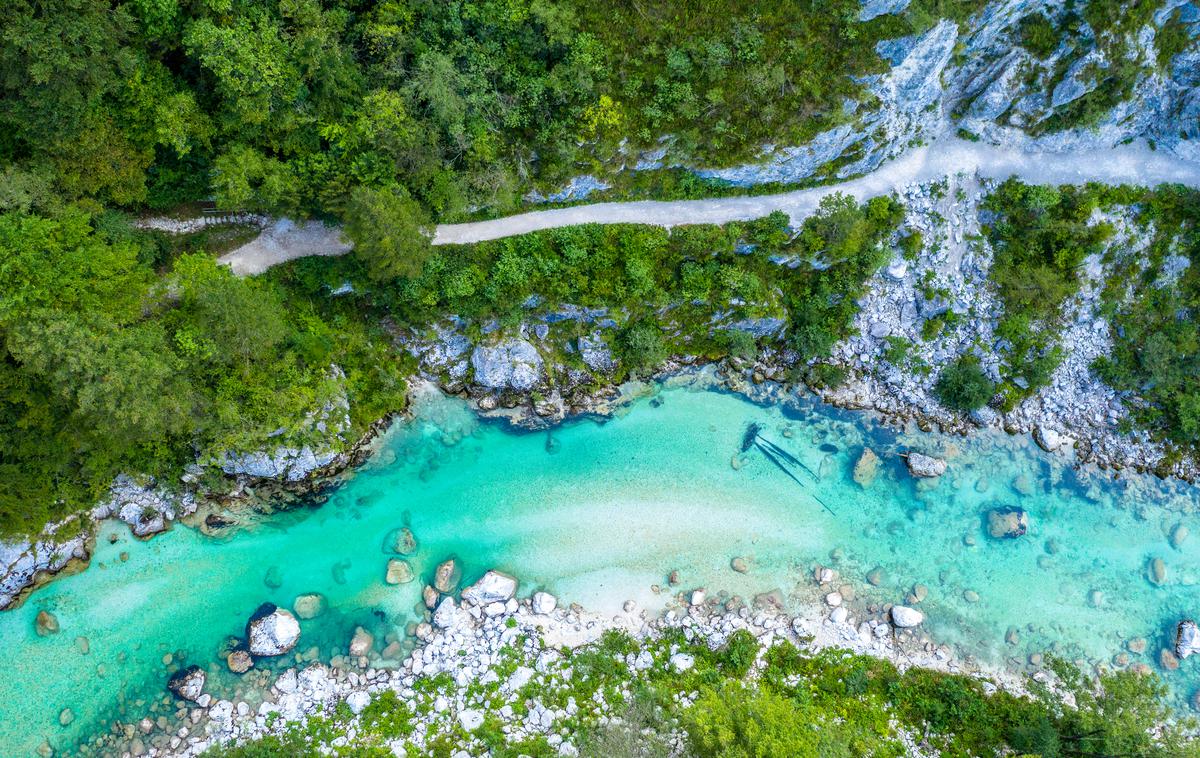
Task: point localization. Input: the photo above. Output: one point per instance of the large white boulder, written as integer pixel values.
(358, 700)
(925, 466)
(272, 631)
(187, 683)
(905, 617)
(493, 587)
(543, 603)
(447, 614)
(510, 365)
(1049, 439)
(1187, 638)
(682, 662)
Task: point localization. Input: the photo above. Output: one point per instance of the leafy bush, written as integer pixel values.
(642, 347)
(738, 654)
(963, 386)
(387, 716)
(1038, 34)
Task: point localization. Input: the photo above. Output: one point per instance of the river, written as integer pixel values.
(599, 512)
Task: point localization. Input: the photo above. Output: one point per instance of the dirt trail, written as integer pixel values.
(1125, 164)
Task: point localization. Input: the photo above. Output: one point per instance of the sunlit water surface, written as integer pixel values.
(598, 513)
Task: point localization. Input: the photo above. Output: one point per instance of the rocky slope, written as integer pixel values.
(976, 77)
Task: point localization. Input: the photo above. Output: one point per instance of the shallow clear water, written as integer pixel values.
(598, 513)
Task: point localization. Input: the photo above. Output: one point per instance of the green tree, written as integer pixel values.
(238, 320)
(641, 347)
(963, 386)
(391, 231)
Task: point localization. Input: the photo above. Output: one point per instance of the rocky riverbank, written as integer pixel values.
(259, 482)
(487, 654)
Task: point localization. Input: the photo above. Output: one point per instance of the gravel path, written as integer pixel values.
(1127, 164)
(285, 240)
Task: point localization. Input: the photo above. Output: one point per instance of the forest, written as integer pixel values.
(126, 350)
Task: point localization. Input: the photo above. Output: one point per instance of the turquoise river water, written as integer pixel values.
(598, 512)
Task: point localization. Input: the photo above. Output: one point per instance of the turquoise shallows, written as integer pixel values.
(598, 512)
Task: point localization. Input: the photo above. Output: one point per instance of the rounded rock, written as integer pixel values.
(309, 605)
(447, 576)
(239, 661)
(398, 572)
(46, 624)
(904, 617)
(188, 683)
(272, 631)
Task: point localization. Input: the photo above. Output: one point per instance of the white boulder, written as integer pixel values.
(510, 365)
(543, 603)
(447, 614)
(470, 719)
(682, 662)
(925, 466)
(1187, 638)
(357, 700)
(493, 587)
(1049, 439)
(187, 683)
(272, 631)
(905, 617)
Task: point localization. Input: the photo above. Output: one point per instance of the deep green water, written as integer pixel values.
(599, 512)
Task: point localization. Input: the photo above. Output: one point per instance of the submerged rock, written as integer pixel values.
(309, 605)
(1179, 533)
(1007, 522)
(492, 587)
(1156, 572)
(447, 576)
(273, 578)
(398, 572)
(1167, 660)
(239, 661)
(361, 643)
(905, 617)
(272, 631)
(925, 466)
(46, 624)
(430, 596)
(866, 468)
(401, 541)
(188, 683)
(739, 565)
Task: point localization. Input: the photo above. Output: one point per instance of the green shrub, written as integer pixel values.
(963, 386)
(1038, 34)
(641, 347)
(738, 654)
(387, 717)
